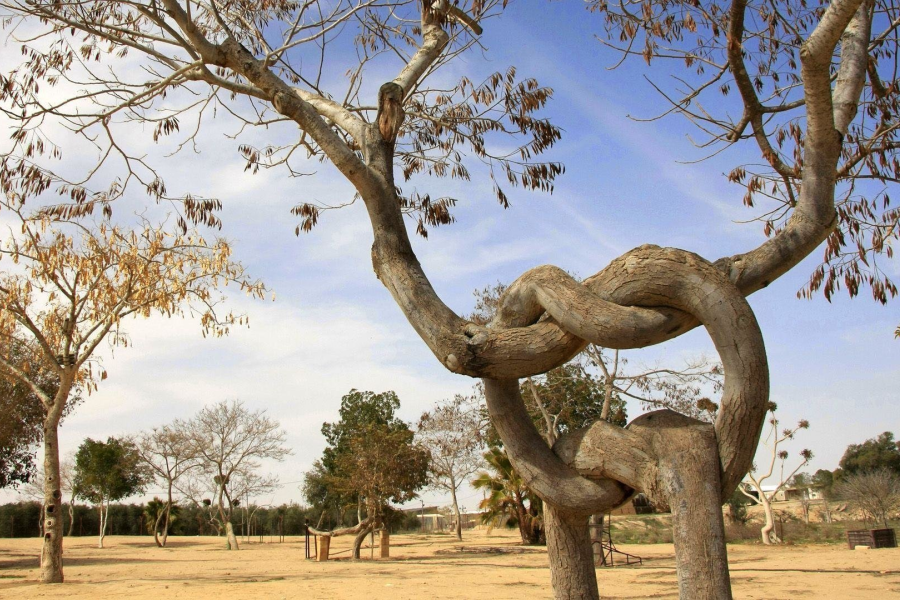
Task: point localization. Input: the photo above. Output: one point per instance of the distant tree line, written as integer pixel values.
(22, 519)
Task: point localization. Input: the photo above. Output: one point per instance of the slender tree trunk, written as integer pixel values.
(156, 523)
(596, 529)
(571, 558)
(456, 513)
(232, 543)
(358, 540)
(52, 545)
(165, 534)
(359, 510)
(521, 514)
(769, 535)
(827, 511)
(71, 515)
(104, 519)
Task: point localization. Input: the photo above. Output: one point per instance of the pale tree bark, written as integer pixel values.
(231, 543)
(767, 532)
(385, 542)
(163, 519)
(71, 515)
(827, 507)
(169, 502)
(159, 519)
(52, 548)
(52, 531)
(104, 516)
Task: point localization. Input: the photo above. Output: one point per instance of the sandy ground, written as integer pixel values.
(436, 566)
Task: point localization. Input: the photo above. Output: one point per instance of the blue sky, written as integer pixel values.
(334, 327)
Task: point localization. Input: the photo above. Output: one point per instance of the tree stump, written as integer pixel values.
(324, 544)
(385, 543)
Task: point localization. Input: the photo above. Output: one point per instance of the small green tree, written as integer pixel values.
(875, 453)
(108, 472)
(383, 465)
(371, 459)
(359, 411)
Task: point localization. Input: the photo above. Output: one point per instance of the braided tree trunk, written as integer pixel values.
(645, 297)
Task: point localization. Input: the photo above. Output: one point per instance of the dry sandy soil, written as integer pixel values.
(432, 567)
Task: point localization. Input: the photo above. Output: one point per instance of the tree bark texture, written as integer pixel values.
(52, 544)
(596, 530)
(571, 557)
(104, 513)
(689, 483)
(71, 515)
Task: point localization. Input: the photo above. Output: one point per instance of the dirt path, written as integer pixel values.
(431, 567)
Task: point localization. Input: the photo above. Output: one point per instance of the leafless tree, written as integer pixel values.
(265, 64)
(685, 390)
(452, 433)
(169, 455)
(228, 441)
(34, 490)
(755, 480)
(875, 493)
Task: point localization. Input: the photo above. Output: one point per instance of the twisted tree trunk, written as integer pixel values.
(768, 533)
(645, 297)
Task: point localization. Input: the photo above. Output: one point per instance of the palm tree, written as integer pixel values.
(158, 518)
(507, 497)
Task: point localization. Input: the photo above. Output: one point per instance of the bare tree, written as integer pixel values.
(169, 455)
(254, 60)
(452, 433)
(229, 440)
(874, 493)
(72, 290)
(755, 480)
(685, 390)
